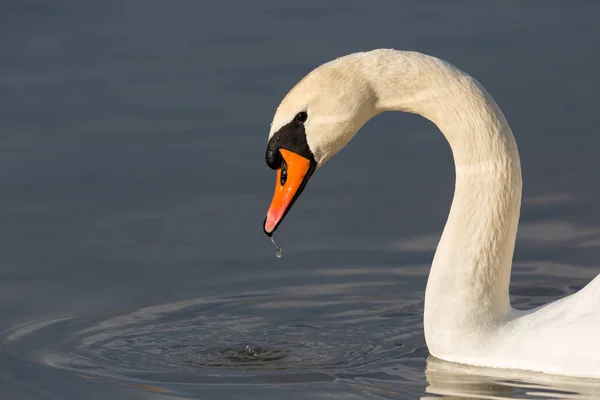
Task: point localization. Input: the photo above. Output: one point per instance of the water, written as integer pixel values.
(133, 263)
(278, 250)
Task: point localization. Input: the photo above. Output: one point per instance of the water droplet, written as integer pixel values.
(278, 251)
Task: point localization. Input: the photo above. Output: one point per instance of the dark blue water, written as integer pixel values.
(133, 190)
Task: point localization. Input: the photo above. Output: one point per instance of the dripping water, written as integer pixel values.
(278, 251)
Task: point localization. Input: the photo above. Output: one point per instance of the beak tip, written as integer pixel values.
(267, 232)
(272, 221)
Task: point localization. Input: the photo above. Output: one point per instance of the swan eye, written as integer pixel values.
(301, 117)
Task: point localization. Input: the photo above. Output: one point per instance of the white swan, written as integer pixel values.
(468, 317)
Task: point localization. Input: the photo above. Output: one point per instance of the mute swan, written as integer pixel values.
(468, 317)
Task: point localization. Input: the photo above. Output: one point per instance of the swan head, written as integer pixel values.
(315, 120)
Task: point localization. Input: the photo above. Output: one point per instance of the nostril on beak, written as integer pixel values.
(283, 173)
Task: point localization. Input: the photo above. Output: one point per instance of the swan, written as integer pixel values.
(468, 317)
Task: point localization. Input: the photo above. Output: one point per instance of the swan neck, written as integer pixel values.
(467, 290)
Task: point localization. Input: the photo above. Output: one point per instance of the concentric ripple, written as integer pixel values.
(234, 339)
(336, 343)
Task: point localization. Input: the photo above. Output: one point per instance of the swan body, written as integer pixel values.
(468, 317)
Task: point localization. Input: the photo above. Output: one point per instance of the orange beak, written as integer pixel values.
(291, 180)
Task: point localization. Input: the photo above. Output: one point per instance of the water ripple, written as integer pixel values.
(231, 339)
(347, 343)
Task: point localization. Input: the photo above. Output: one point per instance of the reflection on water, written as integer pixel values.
(455, 381)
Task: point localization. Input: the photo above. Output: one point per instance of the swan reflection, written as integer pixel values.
(460, 381)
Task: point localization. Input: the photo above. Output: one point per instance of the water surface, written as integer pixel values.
(134, 186)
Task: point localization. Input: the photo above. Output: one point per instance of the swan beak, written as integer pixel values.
(291, 180)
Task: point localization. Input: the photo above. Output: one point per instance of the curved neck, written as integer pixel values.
(467, 290)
